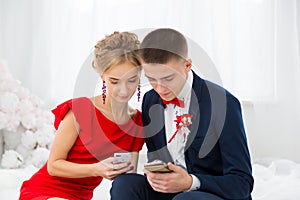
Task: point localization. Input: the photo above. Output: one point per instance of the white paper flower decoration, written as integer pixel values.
(11, 159)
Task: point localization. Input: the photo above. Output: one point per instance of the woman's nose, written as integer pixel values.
(123, 89)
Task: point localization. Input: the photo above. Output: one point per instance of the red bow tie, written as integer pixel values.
(174, 101)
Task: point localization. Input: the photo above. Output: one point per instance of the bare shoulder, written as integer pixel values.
(132, 111)
(69, 122)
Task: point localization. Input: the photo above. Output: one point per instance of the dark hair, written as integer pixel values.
(162, 45)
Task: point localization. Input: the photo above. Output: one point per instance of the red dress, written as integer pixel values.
(99, 138)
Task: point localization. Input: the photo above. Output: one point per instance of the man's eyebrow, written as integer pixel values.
(148, 76)
(165, 77)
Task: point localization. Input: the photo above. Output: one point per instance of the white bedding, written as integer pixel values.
(274, 180)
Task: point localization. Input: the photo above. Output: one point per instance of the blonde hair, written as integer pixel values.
(115, 49)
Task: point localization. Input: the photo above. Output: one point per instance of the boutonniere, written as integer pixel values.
(182, 123)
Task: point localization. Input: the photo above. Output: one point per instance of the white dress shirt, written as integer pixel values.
(176, 146)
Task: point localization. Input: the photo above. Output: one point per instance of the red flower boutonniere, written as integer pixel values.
(182, 122)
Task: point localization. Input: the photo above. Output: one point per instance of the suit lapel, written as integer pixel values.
(162, 133)
(194, 109)
(160, 142)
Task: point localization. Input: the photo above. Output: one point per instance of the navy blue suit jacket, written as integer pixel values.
(216, 150)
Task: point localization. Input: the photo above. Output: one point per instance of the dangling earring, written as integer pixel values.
(103, 92)
(139, 91)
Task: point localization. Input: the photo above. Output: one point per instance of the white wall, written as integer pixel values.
(273, 127)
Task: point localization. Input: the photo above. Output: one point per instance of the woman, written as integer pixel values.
(91, 130)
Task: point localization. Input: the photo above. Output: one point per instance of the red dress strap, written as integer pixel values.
(60, 111)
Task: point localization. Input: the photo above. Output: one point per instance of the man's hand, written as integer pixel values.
(176, 181)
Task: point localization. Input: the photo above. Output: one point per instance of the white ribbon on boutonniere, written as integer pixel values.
(182, 123)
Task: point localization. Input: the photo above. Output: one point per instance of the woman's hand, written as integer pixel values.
(107, 169)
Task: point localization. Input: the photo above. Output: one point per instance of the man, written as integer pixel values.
(193, 125)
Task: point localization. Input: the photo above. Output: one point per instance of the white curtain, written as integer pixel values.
(298, 28)
(45, 42)
(253, 43)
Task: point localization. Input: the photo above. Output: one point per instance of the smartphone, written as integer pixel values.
(157, 166)
(122, 157)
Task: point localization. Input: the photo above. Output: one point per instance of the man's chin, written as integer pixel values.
(167, 97)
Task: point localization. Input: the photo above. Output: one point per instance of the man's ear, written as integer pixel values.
(188, 64)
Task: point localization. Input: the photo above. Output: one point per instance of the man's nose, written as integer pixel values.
(160, 87)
